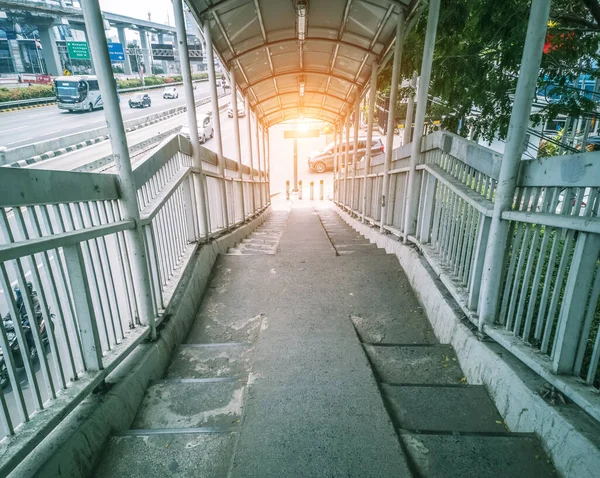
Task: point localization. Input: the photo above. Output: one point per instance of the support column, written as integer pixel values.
(372, 94)
(335, 163)
(507, 180)
(123, 41)
(128, 200)
(163, 63)
(199, 179)
(214, 101)
(409, 112)
(249, 127)
(268, 156)
(355, 152)
(389, 139)
(264, 143)
(236, 139)
(147, 52)
(412, 190)
(50, 51)
(260, 188)
(346, 158)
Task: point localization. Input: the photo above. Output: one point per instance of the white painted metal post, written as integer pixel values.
(249, 127)
(412, 189)
(264, 149)
(214, 100)
(355, 152)
(260, 179)
(268, 155)
(507, 181)
(335, 163)
(410, 106)
(372, 94)
(389, 140)
(114, 121)
(188, 87)
(238, 149)
(346, 157)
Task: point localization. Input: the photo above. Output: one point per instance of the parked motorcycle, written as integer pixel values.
(9, 327)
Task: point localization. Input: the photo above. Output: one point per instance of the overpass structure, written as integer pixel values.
(436, 318)
(48, 14)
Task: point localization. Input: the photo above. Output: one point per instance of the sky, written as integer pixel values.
(161, 10)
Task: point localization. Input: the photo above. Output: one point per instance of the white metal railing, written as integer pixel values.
(63, 236)
(549, 314)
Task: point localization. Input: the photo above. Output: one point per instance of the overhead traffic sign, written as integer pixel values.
(295, 134)
(78, 50)
(116, 52)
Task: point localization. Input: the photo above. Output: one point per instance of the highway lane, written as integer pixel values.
(20, 128)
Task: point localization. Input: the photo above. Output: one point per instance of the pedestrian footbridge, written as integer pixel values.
(435, 317)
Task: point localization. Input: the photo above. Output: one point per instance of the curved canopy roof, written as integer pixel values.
(260, 42)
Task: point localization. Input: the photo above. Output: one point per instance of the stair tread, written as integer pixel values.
(158, 456)
(440, 408)
(175, 404)
(225, 360)
(434, 364)
(477, 456)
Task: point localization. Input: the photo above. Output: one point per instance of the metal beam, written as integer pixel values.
(296, 73)
(307, 92)
(285, 41)
(221, 4)
(334, 114)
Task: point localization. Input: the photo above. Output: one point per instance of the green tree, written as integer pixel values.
(478, 54)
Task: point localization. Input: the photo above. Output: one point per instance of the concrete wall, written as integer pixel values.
(74, 447)
(569, 435)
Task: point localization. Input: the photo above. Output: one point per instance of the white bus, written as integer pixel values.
(77, 93)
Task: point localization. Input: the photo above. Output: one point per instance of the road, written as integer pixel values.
(20, 128)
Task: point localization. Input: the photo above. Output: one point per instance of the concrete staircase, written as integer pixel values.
(447, 427)
(265, 239)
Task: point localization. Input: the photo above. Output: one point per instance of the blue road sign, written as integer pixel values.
(116, 52)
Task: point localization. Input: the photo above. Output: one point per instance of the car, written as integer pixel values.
(170, 92)
(140, 100)
(593, 143)
(322, 160)
(241, 111)
(205, 128)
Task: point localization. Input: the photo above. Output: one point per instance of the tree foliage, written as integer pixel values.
(478, 55)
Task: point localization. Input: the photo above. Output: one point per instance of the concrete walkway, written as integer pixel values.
(311, 357)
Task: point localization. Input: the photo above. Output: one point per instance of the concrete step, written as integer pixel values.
(166, 455)
(191, 403)
(354, 246)
(211, 361)
(362, 252)
(406, 325)
(413, 364)
(448, 408)
(477, 455)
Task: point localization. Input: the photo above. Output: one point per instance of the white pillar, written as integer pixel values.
(236, 140)
(412, 189)
(336, 159)
(123, 41)
(372, 93)
(249, 128)
(214, 100)
(389, 140)
(128, 200)
(199, 179)
(146, 52)
(355, 152)
(410, 106)
(50, 51)
(509, 170)
(264, 148)
(346, 158)
(260, 187)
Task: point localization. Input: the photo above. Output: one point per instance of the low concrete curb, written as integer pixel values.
(568, 434)
(74, 447)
